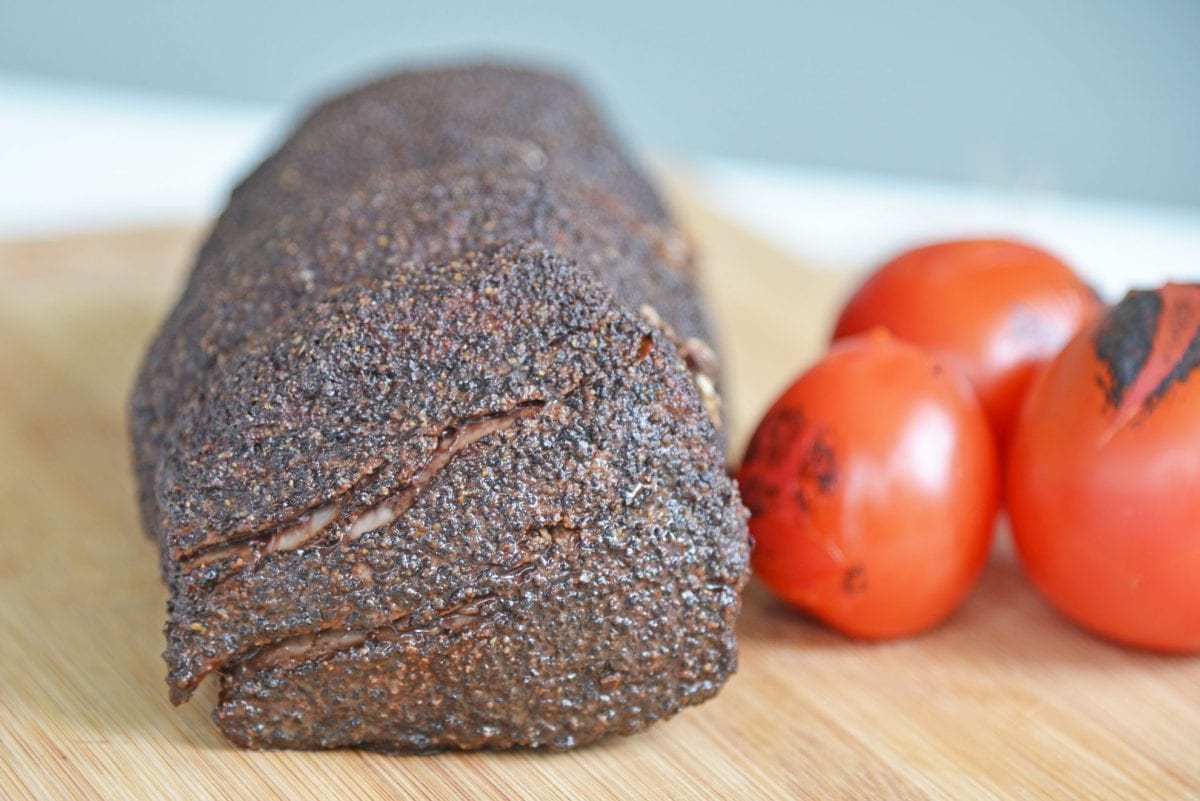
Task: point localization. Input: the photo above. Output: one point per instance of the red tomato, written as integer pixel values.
(1104, 473)
(872, 485)
(994, 309)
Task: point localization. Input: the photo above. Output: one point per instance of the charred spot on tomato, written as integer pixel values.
(1183, 368)
(758, 495)
(816, 469)
(1124, 340)
(789, 460)
(1189, 360)
(1149, 343)
(818, 463)
(771, 442)
(854, 580)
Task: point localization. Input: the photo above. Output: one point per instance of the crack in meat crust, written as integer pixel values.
(304, 530)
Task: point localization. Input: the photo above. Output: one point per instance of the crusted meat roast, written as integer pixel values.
(431, 442)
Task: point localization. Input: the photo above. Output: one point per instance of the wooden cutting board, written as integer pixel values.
(1005, 700)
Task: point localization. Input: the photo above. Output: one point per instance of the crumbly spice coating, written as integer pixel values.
(422, 474)
(485, 118)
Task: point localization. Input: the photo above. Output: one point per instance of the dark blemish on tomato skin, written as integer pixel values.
(854, 580)
(1124, 340)
(1180, 372)
(819, 464)
(817, 472)
(758, 495)
(1156, 331)
(770, 443)
(798, 461)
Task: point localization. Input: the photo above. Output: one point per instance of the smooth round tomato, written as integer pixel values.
(1103, 477)
(994, 309)
(872, 484)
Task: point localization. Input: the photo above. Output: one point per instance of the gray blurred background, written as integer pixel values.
(1095, 98)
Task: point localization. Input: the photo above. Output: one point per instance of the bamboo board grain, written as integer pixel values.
(1006, 700)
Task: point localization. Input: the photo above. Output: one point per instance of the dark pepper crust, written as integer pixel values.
(572, 574)
(384, 227)
(485, 117)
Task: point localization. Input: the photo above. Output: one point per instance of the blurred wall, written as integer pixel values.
(1098, 98)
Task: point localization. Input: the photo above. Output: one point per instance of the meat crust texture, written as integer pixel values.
(430, 444)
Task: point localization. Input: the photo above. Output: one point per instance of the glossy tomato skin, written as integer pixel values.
(995, 309)
(1103, 479)
(873, 485)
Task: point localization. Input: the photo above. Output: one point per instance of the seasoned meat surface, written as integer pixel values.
(430, 444)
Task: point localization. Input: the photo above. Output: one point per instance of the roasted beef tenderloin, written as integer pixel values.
(431, 443)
